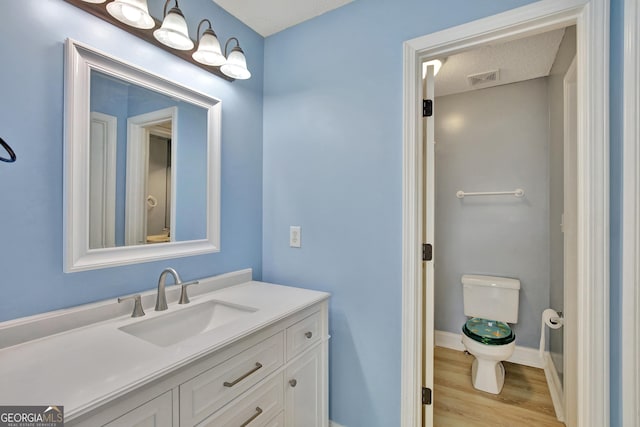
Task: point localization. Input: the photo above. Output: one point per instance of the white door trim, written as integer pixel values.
(630, 336)
(592, 19)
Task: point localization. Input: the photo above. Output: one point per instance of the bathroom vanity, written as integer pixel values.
(241, 353)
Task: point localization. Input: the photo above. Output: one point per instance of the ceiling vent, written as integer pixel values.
(485, 78)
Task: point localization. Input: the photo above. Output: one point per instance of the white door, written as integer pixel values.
(102, 181)
(570, 230)
(428, 231)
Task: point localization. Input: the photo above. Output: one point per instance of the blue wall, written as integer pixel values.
(31, 120)
(332, 164)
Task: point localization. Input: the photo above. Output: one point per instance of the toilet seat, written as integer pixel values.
(489, 332)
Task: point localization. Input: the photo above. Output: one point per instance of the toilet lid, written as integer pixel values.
(489, 332)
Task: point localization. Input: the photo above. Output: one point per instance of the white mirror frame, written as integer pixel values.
(80, 60)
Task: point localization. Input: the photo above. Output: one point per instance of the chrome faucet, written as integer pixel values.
(161, 298)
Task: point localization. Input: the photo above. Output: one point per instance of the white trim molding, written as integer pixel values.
(592, 20)
(555, 385)
(630, 336)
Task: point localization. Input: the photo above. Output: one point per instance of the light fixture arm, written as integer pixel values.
(166, 3)
(226, 45)
(175, 9)
(208, 29)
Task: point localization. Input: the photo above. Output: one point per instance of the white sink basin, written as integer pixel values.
(171, 328)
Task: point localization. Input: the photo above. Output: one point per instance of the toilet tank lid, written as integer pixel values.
(493, 281)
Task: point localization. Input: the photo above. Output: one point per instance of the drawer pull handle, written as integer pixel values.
(308, 334)
(293, 383)
(232, 383)
(253, 417)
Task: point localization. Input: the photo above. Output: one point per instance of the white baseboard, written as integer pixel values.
(555, 386)
(521, 355)
(334, 424)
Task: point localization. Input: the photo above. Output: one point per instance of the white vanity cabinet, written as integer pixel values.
(274, 377)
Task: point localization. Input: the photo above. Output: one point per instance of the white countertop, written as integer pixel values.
(85, 367)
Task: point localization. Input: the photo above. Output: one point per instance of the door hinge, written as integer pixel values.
(427, 108)
(427, 252)
(426, 396)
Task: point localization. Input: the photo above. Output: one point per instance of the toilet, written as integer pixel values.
(491, 303)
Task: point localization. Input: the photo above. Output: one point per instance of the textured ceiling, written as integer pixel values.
(517, 60)
(267, 17)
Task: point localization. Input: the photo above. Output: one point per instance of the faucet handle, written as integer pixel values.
(137, 306)
(184, 298)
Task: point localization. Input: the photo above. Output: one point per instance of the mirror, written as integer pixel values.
(142, 165)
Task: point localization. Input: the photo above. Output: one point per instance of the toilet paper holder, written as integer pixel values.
(557, 320)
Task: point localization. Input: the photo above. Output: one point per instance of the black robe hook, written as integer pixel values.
(12, 155)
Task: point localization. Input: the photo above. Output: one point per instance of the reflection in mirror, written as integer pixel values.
(158, 180)
(143, 125)
(142, 165)
(149, 200)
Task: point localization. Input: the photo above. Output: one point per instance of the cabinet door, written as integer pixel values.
(155, 413)
(304, 396)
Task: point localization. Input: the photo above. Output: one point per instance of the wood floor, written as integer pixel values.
(524, 400)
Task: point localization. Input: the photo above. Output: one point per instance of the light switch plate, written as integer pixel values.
(294, 236)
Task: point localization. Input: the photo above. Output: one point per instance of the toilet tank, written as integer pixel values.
(491, 297)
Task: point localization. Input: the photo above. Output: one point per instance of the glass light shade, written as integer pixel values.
(134, 13)
(173, 32)
(236, 65)
(209, 51)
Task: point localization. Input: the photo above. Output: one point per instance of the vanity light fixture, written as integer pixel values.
(209, 51)
(172, 35)
(174, 32)
(236, 65)
(134, 13)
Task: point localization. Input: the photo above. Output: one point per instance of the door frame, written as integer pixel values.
(592, 20)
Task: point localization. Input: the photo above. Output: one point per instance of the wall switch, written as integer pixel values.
(294, 236)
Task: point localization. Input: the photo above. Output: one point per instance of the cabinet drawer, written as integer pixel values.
(211, 390)
(257, 409)
(303, 335)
